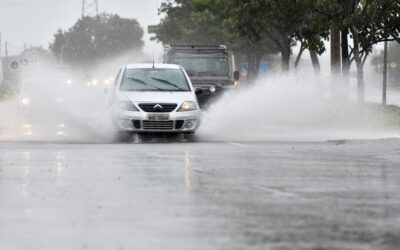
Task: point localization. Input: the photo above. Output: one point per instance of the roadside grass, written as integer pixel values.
(388, 115)
(5, 92)
(395, 87)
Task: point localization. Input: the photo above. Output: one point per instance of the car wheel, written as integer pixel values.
(189, 136)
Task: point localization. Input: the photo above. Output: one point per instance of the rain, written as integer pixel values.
(222, 124)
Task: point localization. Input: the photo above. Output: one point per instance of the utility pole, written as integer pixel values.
(385, 74)
(90, 8)
(1, 46)
(1, 62)
(6, 49)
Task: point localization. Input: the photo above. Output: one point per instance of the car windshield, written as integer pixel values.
(203, 66)
(154, 80)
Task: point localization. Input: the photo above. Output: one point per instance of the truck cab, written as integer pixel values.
(210, 68)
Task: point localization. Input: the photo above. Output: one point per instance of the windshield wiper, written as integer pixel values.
(143, 82)
(168, 82)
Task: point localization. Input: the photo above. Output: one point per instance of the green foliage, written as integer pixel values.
(206, 22)
(376, 21)
(388, 116)
(5, 92)
(254, 27)
(284, 22)
(371, 21)
(191, 22)
(91, 39)
(60, 41)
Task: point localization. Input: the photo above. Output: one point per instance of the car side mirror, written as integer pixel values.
(199, 91)
(236, 75)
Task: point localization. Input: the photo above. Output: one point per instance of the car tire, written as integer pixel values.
(189, 136)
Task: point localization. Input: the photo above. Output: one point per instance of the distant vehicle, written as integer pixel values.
(210, 68)
(263, 68)
(154, 98)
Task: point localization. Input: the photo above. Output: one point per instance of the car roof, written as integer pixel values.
(150, 65)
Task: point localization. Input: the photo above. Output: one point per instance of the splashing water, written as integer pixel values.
(56, 104)
(295, 108)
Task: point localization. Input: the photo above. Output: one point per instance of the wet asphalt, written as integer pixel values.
(200, 195)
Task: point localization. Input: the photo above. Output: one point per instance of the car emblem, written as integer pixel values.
(158, 107)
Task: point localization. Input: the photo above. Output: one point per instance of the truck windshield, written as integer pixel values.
(154, 80)
(203, 66)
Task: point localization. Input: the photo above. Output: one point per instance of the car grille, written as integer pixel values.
(158, 107)
(158, 125)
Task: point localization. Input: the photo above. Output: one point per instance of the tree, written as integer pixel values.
(57, 47)
(190, 22)
(312, 33)
(284, 22)
(206, 22)
(372, 22)
(369, 22)
(92, 39)
(251, 28)
(247, 30)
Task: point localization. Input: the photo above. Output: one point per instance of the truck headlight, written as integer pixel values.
(188, 106)
(128, 106)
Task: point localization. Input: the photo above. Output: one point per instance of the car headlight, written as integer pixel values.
(188, 106)
(26, 101)
(127, 105)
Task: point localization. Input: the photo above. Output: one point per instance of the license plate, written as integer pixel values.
(157, 117)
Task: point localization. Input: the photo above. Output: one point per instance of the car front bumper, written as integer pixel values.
(177, 122)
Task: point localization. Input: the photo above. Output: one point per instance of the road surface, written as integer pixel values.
(204, 195)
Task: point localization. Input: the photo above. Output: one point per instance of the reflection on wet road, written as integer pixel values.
(200, 195)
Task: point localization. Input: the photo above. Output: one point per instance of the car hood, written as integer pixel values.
(158, 97)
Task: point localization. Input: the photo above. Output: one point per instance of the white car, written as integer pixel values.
(154, 98)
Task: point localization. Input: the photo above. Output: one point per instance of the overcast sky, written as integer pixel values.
(35, 21)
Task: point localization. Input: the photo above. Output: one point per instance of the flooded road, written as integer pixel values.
(204, 195)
